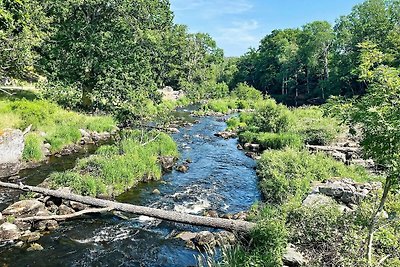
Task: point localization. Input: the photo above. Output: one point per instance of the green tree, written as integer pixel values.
(22, 29)
(378, 115)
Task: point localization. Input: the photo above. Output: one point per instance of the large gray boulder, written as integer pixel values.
(24, 208)
(11, 148)
(9, 232)
(293, 258)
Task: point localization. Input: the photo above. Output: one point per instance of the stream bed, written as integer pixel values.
(220, 178)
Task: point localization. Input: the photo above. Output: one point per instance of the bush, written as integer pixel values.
(288, 173)
(272, 140)
(245, 92)
(33, 147)
(272, 117)
(314, 127)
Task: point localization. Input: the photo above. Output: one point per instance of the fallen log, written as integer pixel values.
(335, 148)
(63, 217)
(219, 223)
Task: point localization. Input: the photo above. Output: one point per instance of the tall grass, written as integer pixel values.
(116, 168)
(59, 127)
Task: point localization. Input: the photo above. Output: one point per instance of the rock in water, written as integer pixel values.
(35, 247)
(11, 148)
(24, 208)
(9, 232)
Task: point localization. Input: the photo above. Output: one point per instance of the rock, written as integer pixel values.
(167, 163)
(84, 133)
(225, 238)
(65, 210)
(40, 225)
(78, 206)
(369, 164)
(240, 216)
(9, 232)
(182, 168)
(239, 146)
(314, 200)
(173, 130)
(23, 226)
(30, 237)
(252, 147)
(253, 155)
(226, 134)
(52, 225)
(204, 239)
(156, 192)
(11, 148)
(35, 247)
(186, 236)
(339, 156)
(293, 258)
(19, 244)
(24, 208)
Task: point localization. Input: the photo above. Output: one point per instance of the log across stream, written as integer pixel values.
(230, 225)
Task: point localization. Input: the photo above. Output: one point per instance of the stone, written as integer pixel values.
(240, 216)
(65, 210)
(339, 156)
(51, 225)
(11, 148)
(252, 147)
(30, 237)
(225, 238)
(186, 236)
(40, 225)
(156, 192)
(211, 213)
(182, 168)
(252, 155)
(35, 247)
(9, 232)
(84, 133)
(239, 147)
(293, 258)
(226, 134)
(77, 206)
(23, 226)
(204, 239)
(24, 208)
(167, 163)
(173, 130)
(317, 200)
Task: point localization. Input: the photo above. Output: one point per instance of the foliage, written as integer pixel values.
(33, 147)
(272, 140)
(116, 168)
(246, 92)
(288, 173)
(272, 117)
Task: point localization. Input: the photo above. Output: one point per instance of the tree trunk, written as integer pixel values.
(374, 220)
(230, 225)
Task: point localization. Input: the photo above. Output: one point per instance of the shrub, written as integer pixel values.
(288, 173)
(245, 92)
(272, 140)
(272, 117)
(100, 123)
(33, 147)
(314, 127)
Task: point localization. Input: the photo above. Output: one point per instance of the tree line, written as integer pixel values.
(307, 65)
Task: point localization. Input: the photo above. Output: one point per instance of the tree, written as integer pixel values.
(378, 115)
(22, 25)
(110, 49)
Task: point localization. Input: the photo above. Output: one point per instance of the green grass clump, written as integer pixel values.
(116, 168)
(100, 124)
(33, 147)
(223, 105)
(289, 173)
(314, 127)
(272, 140)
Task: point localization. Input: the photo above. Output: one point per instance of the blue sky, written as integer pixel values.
(237, 25)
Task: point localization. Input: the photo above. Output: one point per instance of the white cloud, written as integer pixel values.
(240, 31)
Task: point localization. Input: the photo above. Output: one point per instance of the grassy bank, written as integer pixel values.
(50, 123)
(116, 168)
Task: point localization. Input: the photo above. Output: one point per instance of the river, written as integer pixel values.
(220, 178)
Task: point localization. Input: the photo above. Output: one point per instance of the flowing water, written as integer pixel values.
(220, 178)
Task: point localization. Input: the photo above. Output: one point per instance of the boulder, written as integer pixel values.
(225, 238)
(23, 226)
(30, 237)
(293, 258)
(186, 236)
(167, 163)
(65, 210)
(11, 148)
(9, 232)
(314, 200)
(182, 168)
(156, 192)
(226, 134)
(35, 247)
(204, 239)
(252, 147)
(24, 208)
(77, 206)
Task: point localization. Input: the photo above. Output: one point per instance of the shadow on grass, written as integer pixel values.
(17, 94)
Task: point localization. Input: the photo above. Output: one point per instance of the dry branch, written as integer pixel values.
(63, 217)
